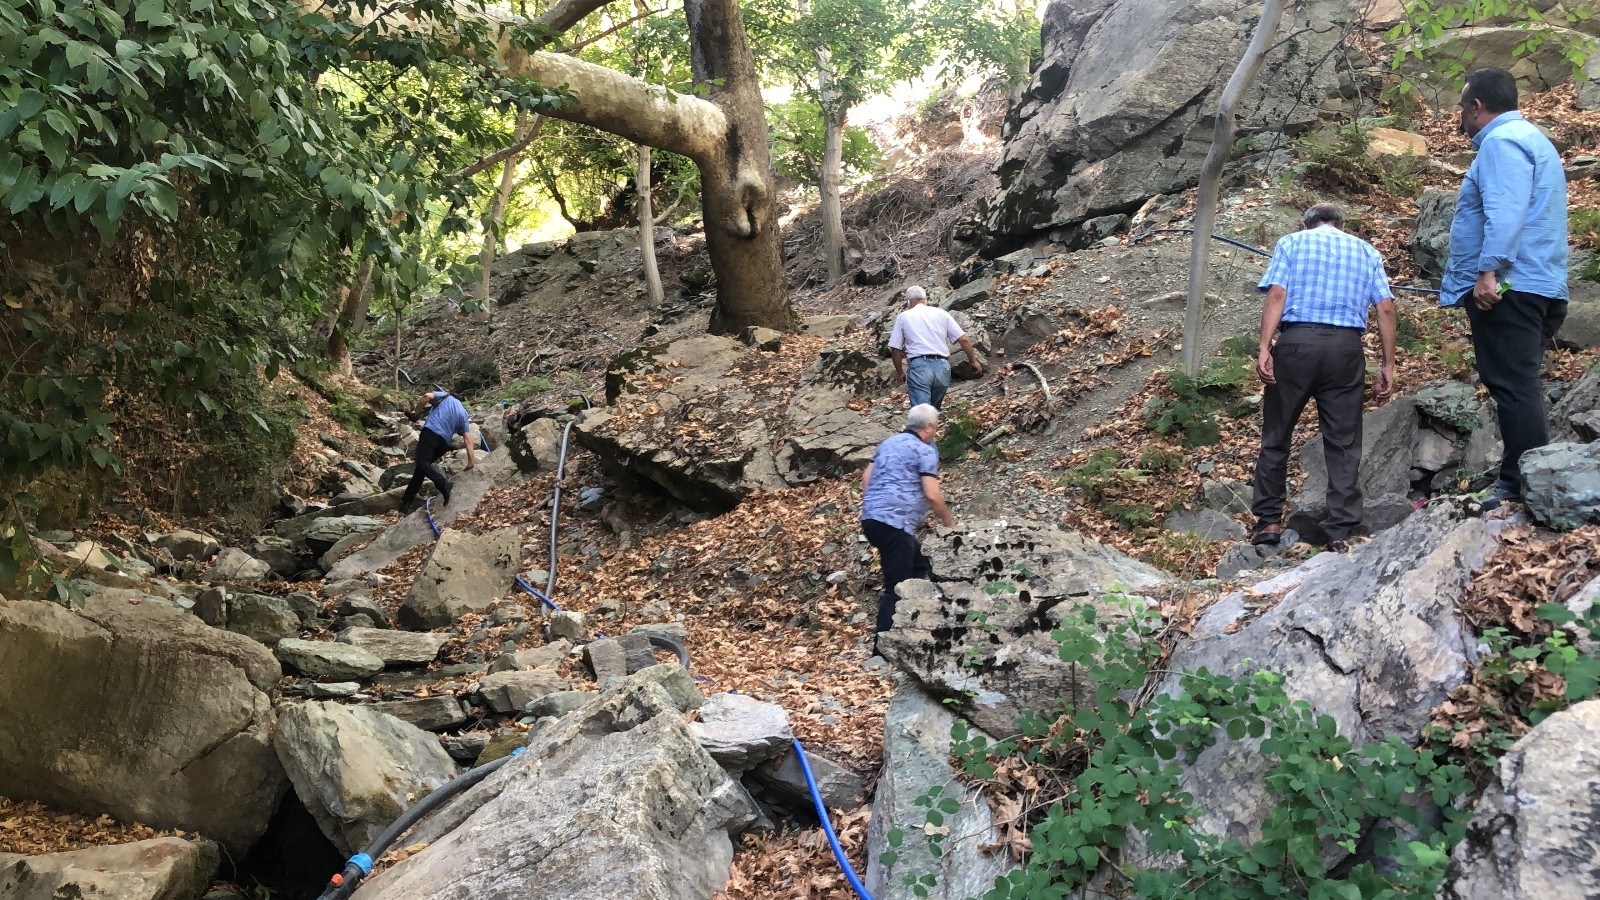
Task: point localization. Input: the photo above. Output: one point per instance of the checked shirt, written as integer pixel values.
(1330, 277)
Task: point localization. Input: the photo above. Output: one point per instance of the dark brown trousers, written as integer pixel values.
(1326, 364)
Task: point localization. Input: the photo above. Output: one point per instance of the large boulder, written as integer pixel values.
(1430, 239)
(1581, 329)
(710, 420)
(465, 573)
(979, 633)
(235, 565)
(1369, 638)
(1533, 833)
(357, 769)
(740, 732)
(1388, 442)
(1561, 483)
(166, 868)
(141, 711)
(613, 800)
(1120, 107)
(406, 648)
(1572, 418)
(916, 759)
(261, 618)
(321, 659)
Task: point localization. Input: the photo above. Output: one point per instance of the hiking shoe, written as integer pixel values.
(1268, 536)
(445, 494)
(1498, 496)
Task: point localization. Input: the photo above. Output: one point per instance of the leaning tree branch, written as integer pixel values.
(517, 146)
(637, 17)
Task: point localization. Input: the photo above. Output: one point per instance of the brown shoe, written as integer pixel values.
(1268, 535)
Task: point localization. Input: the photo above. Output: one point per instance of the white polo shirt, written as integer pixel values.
(924, 330)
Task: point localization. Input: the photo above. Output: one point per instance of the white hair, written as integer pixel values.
(921, 416)
(915, 294)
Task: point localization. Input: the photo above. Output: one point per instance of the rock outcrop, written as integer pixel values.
(166, 868)
(357, 769)
(1534, 832)
(613, 800)
(980, 631)
(140, 711)
(465, 573)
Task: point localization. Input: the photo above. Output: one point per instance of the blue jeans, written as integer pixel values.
(927, 378)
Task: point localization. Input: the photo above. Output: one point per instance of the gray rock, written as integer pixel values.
(332, 690)
(465, 747)
(211, 605)
(639, 653)
(1430, 239)
(189, 545)
(916, 759)
(357, 769)
(1121, 105)
(325, 533)
(1369, 638)
(1205, 523)
(1226, 495)
(428, 713)
(829, 327)
(568, 624)
(616, 800)
(981, 630)
(538, 446)
(1434, 452)
(167, 868)
(1567, 415)
(321, 659)
(395, 647)
(1533, 834)
(606, 658)
(767, 339)
(1581, 330)
(305, 606)
(345, 546)
(354, 604)
(1388, 435)
(840, 787)
(1561, 483)
(464, 573)
(970, 294)
(235, 565)
(831, 445)
(547, 657)
(513, 691)
(559, 703)
(1453, 404)
(178, 711)
(740, 732)
(261, 618)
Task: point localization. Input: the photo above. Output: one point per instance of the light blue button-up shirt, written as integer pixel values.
(894, 492)
(1328, 277)
(1511, 214)
(448, 418)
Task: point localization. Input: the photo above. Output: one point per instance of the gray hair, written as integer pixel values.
(921, 416)
(915, 294)
(1324, 214)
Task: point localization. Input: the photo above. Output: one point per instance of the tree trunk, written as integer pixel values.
(1205, 215)
(647, 236)
(352, 317)
(833, 121)
(495, 219)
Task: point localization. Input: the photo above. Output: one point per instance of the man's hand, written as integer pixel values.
(976, 366)
(1486, 291)
(900, 376)
(1385, 381)
(1264, 366)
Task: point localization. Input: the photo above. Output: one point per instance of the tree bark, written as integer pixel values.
(1205, 216)
(492, 223)
(647, 236)
(352, 317)
(833, 122)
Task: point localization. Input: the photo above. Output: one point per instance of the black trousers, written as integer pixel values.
(1327, 364)
(1509, 340)
(430, 446)
(902, 560)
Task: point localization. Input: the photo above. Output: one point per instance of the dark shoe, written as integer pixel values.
(1498, 497)
(445, 493)
(1268, 535)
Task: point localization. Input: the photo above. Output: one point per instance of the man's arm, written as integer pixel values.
(1505, 179)
(935, 495)
(899, 357)
(972, 355)
(1271, 315)
(1386, 333)
(420, 405)
(467, 439)
(866, 477)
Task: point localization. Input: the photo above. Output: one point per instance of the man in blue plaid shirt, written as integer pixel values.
(1320, 286)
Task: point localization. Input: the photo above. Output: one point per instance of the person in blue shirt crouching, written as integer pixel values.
(1508, 263)
(898, 488)
(446, 419)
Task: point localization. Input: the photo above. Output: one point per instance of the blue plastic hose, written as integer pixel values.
(827, 825)
(529, 588)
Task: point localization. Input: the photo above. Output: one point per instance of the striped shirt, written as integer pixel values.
(1330, 277)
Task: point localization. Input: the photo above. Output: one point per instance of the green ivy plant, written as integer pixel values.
(1426, 21)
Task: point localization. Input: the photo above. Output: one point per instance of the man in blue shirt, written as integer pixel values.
(1508, 262)
(446, 419)
(898, 488)
(1320, 285)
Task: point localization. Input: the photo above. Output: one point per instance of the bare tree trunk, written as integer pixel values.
(1205, 216)
(492, 223)
(647, 231)
(352, 317)
(833, 120)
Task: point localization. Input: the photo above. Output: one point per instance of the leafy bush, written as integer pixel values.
(1101, 474)
(522, 388)
(1176, 552)
(797, 131)
(960, 432)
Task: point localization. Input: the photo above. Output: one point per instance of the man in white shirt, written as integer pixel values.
(920, 346)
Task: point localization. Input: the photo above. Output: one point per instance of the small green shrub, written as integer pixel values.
(1155, 459)
(522, 388)
(1131, 515)
(960, 433)
(351, 415)
(476, 377)
(1176, 552)
(1101, 474)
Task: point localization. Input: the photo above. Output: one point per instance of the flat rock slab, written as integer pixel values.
(464, 573)
(427, 713)
(395, 647)
(513, 691)
(321, 659)
(166, 868)
(740, 731)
